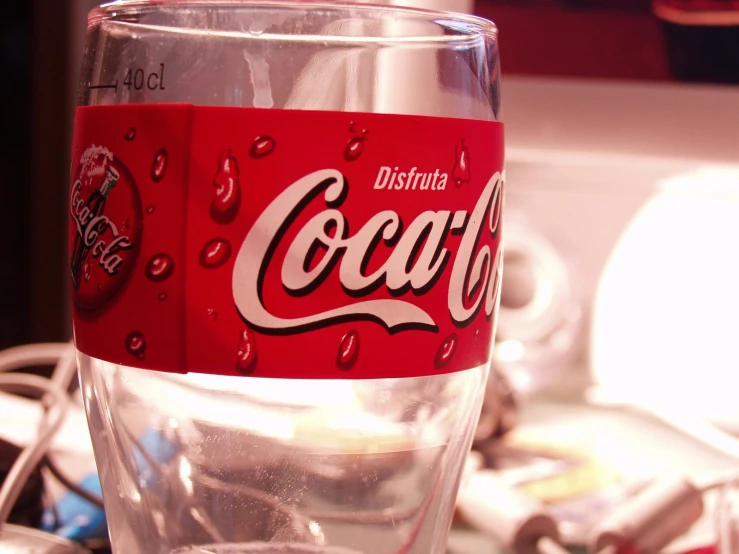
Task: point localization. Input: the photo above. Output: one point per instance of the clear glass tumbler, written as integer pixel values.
(196, 458)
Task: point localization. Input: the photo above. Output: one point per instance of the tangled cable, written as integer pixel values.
(54, 399)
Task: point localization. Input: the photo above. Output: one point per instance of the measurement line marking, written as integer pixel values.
(114, 86)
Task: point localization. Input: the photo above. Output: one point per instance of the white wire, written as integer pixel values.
(46, 353)
(64, 371)
(60, 353)
(66, 367)
(33, 453)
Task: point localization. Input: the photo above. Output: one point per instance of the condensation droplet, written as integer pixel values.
(446, 351)
(159, 267)
(225, 205)
(348, 352)
(136, 344)
(355, 147)
(246, 356)
(262, 146)
(159, 165)
(215, 253)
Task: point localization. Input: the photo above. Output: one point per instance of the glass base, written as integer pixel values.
(278, 466)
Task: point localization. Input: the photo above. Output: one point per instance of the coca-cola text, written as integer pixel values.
(420, 245)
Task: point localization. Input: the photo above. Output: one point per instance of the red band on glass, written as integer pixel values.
(284, 243)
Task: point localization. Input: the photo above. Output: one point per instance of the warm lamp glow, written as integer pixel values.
(666, 315)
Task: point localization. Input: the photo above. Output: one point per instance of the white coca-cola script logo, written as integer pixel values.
(416, 263)
(90, 226)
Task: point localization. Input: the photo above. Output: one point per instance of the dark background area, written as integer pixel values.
(15, 146)
(604, 39)
(35, 107)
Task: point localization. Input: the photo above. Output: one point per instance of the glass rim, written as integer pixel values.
(467, 25)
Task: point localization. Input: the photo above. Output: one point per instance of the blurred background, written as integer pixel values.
(608, 42)
(592, 88)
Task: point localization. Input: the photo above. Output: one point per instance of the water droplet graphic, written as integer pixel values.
(262, 146)
(162, 296)
(215, 253)
(225, 206)
(136, 344)
(212, 314)
(130, 134)
(159, 267)
(348, 350)
(246, 356)
(461, 170)
(355, 146)
(159, 165)
(446, 351)
(150, 209)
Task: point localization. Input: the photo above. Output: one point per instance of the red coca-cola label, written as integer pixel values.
(284, 243)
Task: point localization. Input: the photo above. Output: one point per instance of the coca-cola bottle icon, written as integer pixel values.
(94, 207)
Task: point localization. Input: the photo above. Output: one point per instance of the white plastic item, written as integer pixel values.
(666, 312)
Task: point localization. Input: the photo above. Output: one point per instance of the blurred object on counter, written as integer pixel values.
(540, 320)
(604, 477)
(499, 408)
(702, 39)
(563, 470)
(665, 315)
(540, 325)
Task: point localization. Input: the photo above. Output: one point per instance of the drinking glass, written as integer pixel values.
(266, 374)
